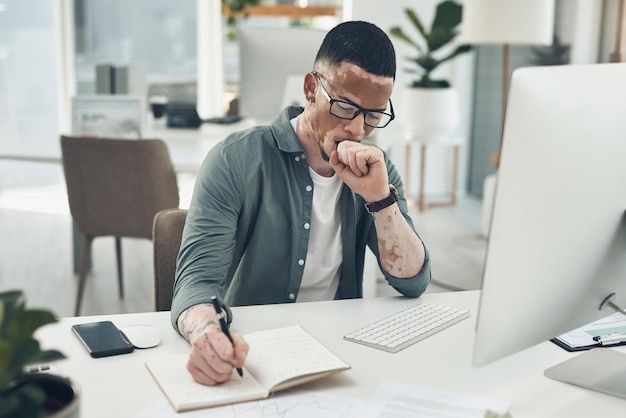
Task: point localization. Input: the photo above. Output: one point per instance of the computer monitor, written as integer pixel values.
(108, 116)
(557, 242)
(268, 57)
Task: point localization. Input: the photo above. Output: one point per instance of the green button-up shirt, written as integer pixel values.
(245, 238)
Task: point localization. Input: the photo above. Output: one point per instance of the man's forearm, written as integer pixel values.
(401, 252)
(194, 320)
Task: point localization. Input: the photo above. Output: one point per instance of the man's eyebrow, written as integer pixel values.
(345, 99)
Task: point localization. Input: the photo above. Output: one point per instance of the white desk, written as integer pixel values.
(187, 147)
(121, 385)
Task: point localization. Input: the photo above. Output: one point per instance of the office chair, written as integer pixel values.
(167, 231)
(114, 188)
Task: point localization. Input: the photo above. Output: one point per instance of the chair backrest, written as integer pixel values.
(116, 186)
(167, 232)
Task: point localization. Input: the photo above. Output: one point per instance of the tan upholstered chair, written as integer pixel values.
(114, 188)
(167, 232)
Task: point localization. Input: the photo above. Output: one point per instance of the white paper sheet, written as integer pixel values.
(408, 401)
(287, 404)
(583, 336)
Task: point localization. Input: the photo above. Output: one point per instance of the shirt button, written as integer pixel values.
(301, 262)
(307, 225)
(292, 296)
(297, 158)
(309, 188)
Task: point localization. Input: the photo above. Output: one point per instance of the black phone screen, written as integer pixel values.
(102, 339)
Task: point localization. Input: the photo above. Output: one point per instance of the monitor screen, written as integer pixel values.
(108, 116)
(269, 58)
(557, 242)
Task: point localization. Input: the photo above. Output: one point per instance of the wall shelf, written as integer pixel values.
(286, 10)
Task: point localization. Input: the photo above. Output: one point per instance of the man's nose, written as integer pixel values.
(356, 127)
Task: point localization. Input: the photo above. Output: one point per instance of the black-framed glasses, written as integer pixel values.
(349, 111)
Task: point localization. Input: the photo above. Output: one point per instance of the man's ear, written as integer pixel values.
(310, 87)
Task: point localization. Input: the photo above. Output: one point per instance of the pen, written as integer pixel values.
(223, 325)
(611, 338)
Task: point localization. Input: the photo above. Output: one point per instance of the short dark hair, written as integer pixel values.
(362, 44)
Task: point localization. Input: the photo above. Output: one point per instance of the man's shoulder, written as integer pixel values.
(255, 135)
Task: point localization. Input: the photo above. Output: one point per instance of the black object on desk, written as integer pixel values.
(182, 115)
(102, 339)
(224, 120)
(596, 344)
(185, 115)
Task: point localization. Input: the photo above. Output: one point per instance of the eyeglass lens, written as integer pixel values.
(345, 110)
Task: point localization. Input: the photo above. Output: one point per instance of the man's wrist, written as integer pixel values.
(392, 198)
(195, 319)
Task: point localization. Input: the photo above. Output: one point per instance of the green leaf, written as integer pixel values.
(399, 33)
(48, 355)
(11, 302)
(427, 62)
(416, 22)
(439, 37)
(5, 355)
(29, 352)
(23, 401)
(25, 323)
(457, 51)
(448, 15)
(9, 405)
(25, 351)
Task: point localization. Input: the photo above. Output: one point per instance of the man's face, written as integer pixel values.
(353, 85)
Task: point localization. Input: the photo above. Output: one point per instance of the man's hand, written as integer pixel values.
(213, 357)
(362, 168)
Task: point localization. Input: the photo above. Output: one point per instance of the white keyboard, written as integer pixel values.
(407, 327)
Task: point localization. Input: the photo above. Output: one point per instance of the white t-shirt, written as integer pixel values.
(322, 269)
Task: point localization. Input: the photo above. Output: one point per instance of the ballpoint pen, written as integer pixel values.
(611, 338)
(223, 324)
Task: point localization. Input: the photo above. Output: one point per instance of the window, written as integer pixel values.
(158, 35)
(29, 88)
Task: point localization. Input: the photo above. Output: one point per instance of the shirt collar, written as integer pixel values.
(283, 131)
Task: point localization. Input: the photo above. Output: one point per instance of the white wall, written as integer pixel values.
(459, 71)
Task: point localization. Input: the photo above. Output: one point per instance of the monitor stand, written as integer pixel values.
(599, 369)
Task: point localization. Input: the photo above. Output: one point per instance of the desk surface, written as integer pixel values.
(122, 386)
(187, 147)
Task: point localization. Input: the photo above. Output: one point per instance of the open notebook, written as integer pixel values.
(278, 359)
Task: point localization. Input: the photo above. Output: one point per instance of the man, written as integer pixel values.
(283, 213)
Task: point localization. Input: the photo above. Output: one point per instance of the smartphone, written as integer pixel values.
(102, 339)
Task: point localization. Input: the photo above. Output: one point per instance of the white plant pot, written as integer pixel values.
(430, 114)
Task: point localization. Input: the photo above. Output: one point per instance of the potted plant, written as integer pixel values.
(430, 106)
(25, 394)
(234, 9)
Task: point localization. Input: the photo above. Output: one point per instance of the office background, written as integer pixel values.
(48, 51)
